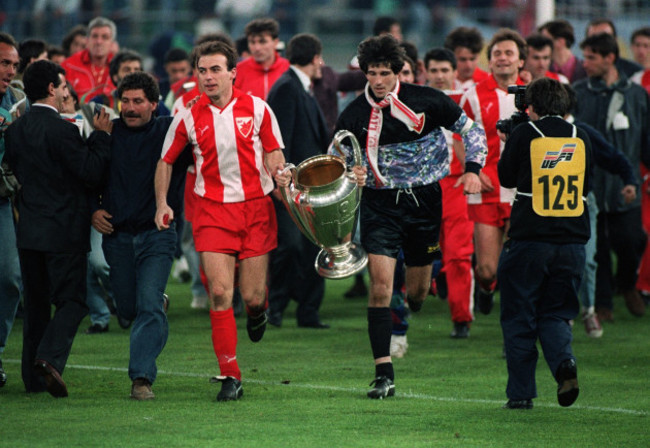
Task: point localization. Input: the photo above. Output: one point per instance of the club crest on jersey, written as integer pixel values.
(552, 158)
(244, 125)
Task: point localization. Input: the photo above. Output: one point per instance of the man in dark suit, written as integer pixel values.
(55, 168)
(305, 134)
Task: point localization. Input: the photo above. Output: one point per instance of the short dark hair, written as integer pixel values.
(8, 39)
(38, 77)
(215, 47)
(410, 49)
(538, 42)
(53, 50)
(602, 44)
(79, 30)
(241, 45)
(601, 21)
(560, 28)
(440, 54)
(209, 37)
(644, 31)
(121, 57)
(140, 80)
(260, 26)
(464, 36)
(508, 34)
(383, 25)
(302, 49)
(573, 97)
(28, 49)
(548, 97)
(176, 55)
(381, 50)
(73, 94)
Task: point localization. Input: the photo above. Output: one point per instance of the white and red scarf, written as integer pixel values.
(398, 110)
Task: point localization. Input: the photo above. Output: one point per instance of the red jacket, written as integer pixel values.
(78, 72)
(255, 80)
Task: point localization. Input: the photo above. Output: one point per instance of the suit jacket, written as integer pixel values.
(301, 120)
(55, 168)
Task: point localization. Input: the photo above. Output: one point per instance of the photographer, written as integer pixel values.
(541, 266)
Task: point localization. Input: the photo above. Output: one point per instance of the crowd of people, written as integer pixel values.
(460, 198)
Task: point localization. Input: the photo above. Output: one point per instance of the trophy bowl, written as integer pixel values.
(323, 200)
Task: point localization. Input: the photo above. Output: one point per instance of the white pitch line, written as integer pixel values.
(351, 389)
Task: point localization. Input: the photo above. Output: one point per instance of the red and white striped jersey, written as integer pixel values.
(228, 146)
(642, 77)
(478, 76)
(486, 103)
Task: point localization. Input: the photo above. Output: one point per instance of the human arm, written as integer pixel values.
(100, 220)
(164, 213)
(475, 144)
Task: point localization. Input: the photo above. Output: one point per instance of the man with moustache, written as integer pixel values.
(140, 257)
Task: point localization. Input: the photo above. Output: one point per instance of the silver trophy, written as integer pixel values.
(323, 200)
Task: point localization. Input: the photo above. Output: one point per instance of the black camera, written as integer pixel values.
(520, 116)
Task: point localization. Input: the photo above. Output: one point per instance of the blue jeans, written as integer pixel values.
(140, 266)
(10, 280)
(587, 292)
(539, 295)
(98, 282)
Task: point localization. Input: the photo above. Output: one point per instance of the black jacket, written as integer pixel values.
(128, 193)
(56, 169)
(515, 172)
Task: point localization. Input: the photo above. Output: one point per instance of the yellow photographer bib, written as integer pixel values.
(558, 167)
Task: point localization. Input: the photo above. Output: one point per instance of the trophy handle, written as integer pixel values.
(289, 197)
(356, 149)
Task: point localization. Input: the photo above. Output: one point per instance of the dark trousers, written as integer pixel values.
(51, 279)
(292, 272)
(622, 233)
(539, 285)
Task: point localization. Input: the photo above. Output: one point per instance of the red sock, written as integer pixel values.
(224, 341)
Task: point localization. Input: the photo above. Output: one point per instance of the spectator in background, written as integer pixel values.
(388, 25)
(257, 74)
(305, 134)
(564, 61)
(29, 50)
(640, 44)
(466, 44)
(56, 54)
(603, 25)
(75, 40)
(177, 66)
(10, 283)
(538, 59)
(88, 70)
(619, 109)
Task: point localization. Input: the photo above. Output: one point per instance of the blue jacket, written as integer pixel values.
(128, 193)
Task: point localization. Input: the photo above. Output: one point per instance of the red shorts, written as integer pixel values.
(248, 229)
(494, 214)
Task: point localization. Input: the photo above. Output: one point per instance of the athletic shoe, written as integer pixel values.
(592, 325)
(199, 302)
(567, 380)
(141, 390)
(97, 328)
(460, 331)
(384, 387)
(398, 345)
(231, 388)
(518, 404)
(485, 301)
(256, 326)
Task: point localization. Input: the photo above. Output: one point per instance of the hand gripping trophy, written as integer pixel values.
(323, 200)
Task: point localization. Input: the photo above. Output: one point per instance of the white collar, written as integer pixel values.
(302, 76)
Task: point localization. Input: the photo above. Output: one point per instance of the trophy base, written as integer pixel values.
(352, 262)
